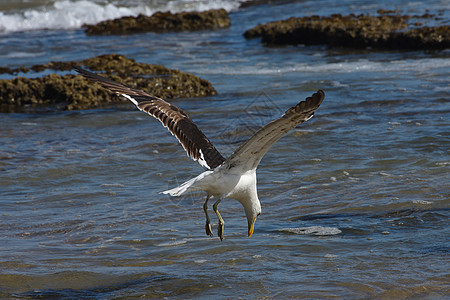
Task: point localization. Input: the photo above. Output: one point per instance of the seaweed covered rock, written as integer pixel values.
(355, 31)
(162, 22)
(72, 92)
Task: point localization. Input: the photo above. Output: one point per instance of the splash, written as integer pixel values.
(73, 14)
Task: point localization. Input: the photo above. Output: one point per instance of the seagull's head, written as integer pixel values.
(252, 210)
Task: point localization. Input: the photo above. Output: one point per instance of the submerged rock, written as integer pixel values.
(162, 22)
(72, 92)
(355, 31)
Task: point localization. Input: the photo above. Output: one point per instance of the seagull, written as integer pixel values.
(234, 177)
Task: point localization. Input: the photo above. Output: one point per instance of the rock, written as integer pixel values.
(162, 22)
(354, 31)
(422, 38)
(72, 92)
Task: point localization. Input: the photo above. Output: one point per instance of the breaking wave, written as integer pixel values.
(73, 14)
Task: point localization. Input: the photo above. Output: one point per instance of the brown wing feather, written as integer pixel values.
(196, 144)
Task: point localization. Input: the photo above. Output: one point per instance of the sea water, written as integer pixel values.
(355, 202)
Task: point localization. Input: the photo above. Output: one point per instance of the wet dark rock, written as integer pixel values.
(162, 22)
(354, 31)
(72, 92)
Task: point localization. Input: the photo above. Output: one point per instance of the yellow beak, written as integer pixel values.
(251, 228)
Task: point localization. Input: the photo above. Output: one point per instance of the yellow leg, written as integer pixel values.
(208, 222)
(221, 222)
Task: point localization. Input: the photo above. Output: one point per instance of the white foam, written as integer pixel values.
(112, 185)
(20, 54)
(423, 202)
(172, 243)
(330, 255)
(73, 14)
(200, 5)
(359, 66)
(313, 230)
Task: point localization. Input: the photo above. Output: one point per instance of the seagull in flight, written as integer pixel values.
(234, 177)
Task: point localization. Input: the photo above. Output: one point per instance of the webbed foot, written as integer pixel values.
(208, 229)
(220, 231)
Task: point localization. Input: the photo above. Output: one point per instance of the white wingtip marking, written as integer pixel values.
(129, 98)
(201, 160)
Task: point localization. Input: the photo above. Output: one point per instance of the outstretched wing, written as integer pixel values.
(196, 144)
(248, 156)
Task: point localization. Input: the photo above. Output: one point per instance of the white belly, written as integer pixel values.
(228, 185)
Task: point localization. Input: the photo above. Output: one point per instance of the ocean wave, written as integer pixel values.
(73, 14)
(359, 66)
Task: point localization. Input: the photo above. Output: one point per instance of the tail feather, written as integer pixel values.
(187, 186)
(178, 191)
